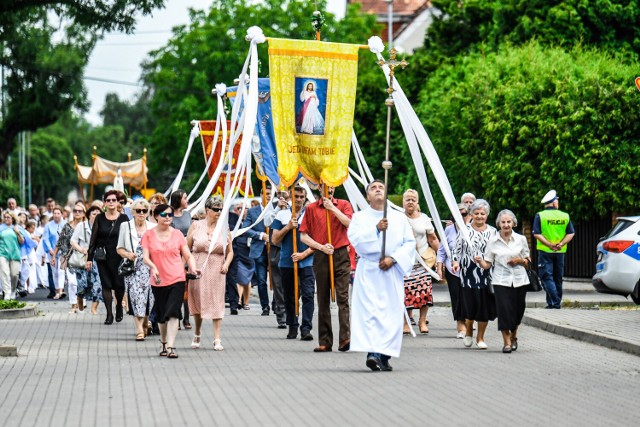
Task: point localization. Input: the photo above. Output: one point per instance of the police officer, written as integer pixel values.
(552, 229)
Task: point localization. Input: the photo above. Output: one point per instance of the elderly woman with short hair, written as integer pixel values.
(508, 253)
(417, 285)
(138, 283)
(478, 303)
(206, 294)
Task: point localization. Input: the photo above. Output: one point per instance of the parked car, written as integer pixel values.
(618, 264)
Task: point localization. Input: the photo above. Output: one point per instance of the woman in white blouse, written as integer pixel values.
(508, 253)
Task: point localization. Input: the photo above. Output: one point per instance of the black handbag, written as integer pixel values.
(535, 284)
(100, 254)
(126, 266)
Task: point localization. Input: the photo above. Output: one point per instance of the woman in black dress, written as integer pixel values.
(104, 239)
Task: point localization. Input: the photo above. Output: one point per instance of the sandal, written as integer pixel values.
(195, 344)
(506, 349)
(163, 352)
(140, 336)
(172, 354)
(406, 330)
(217, 346)
(514, 344)
(423, 328)
(246, 307)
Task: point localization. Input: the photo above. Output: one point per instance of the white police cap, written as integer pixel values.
(549, 197)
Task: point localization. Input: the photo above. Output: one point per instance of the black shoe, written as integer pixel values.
(109, 320)
(23, 294)
(306, 336)
(282, 326)
(51, 295)
(265, 311)
(373, 363)
(234, 311)
(118, 313)
(63, 295)
(293, 333)
(385, 366)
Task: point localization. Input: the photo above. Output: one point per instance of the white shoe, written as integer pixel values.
(482, 345)
(468, 341)
(460, 335)
(217, 345)
(196, 342)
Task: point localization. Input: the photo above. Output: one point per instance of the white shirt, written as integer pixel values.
(498, 252)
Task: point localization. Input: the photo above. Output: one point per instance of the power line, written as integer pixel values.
(117, 82)
(129, 44)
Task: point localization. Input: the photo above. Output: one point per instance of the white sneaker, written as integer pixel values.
(468, 341)
(460, 335)
(482, 345)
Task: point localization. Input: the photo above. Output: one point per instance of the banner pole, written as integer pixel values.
(325, 194)
(296, 282)
(264, 204)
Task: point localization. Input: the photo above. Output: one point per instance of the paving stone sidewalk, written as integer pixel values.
(74, 371)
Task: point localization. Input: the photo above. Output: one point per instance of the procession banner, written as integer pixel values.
(264, 148)
(313, 93)
(207, 132)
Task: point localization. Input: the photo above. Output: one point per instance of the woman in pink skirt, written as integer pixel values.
(206, 294)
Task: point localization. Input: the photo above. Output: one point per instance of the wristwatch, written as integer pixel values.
(393, 260)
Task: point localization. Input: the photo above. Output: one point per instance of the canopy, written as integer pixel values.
(103, 171)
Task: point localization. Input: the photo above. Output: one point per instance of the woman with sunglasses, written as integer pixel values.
(88, 281)
(104, 240)
(206, 294)
(453, 279)
(163, 249)
(63, 248)
(155, 200)
(181, 222)
(137, 284)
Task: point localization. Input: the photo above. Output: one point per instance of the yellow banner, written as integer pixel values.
(313, 94)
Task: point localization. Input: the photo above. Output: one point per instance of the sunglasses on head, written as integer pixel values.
(111, 200)
(139, 211)
(166, 214)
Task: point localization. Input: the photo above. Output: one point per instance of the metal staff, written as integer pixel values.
(264, 203)
(392, 63)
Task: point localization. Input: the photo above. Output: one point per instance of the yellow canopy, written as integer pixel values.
(133, 172)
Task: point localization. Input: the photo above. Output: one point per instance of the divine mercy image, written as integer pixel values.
(310, 105)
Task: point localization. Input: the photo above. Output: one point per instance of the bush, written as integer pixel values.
(10, 304)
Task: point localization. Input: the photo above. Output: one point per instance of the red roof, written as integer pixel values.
(400, 7)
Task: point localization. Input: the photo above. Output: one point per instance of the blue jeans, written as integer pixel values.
(550, 270)
(382, 357)
(262, 267)
(306, 291)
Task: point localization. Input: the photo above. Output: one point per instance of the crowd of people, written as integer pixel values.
(166, 265)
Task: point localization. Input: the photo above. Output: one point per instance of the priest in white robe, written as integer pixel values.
(377, 306)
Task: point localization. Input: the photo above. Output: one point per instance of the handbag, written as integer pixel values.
(535, 284)
(126, 266)
(100, 254)
(429, 257)
(78, 259)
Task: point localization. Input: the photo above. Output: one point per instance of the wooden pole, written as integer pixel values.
(144, 173)
(264, 204)
(129, 159)
(93, 164)
(333, 286)
(296, 280)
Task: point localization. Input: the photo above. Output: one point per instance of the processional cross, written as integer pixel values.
(392, 63)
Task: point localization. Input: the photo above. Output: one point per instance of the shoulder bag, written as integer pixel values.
(78, 259)
(126, 266)
(535, 284)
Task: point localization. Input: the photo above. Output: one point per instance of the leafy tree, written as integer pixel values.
(511, 125)
(211, 50)
(44, 47)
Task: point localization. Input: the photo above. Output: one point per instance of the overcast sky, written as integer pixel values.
(117, 57)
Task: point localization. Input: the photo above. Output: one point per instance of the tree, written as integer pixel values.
(211, 50)
(44, 47)
(513, 124)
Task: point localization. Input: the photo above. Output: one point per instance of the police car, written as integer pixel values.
(618, 264)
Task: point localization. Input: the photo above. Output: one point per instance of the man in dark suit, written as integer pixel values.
(258, 248)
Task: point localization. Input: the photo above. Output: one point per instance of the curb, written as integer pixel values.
(19, 313)
(584, 335)
(8, 351)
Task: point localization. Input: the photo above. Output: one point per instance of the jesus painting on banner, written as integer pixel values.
(310, 105)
